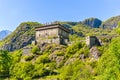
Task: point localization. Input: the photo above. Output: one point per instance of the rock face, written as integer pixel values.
(4, 33)
(94, 53)
(111, 23)
(92, 22)
(21, 37)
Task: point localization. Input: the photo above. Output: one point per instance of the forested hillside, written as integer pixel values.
(75, 61)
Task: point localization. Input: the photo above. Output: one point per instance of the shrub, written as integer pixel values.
(28, 58)
(22, 70)
(73, 48)
(35, 50)
(59, 53)
(41, 71)
(76, 71)
(43, 59)
(5, 63)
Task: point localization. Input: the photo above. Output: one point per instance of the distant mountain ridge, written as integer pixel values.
(111, 22)
(92, 22)
(4, 33)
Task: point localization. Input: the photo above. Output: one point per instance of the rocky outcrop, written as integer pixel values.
(57, 59)
(94, 53)
(92, 22)
(21, 37)
(111, 22)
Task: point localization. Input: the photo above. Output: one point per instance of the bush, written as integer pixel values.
(22, 70)
(59, 53)
(43, 59)
(28, 58)
(41, 71)
(5, 63)
(76, 71)
(16, 56)
(35, 50)
(73, 48)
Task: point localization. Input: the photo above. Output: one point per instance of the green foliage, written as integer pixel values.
(109, 64)
(16, 56)
(49, 65)
(74, 37)
(5, 63)
(113, 21)
(84, 50)
(35, 50)
(28, 58)
(73, 48)
(118, 28)
(40, 71)
(43, 59)
(22, 70)
(22, 36)
(76, 71)
(59, 53)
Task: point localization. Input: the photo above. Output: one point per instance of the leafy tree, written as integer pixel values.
(22, 70)
(76, 71)
(5, 63)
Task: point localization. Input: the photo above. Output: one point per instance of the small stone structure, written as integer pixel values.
(27, 51)
(92, 41)
(53, 33)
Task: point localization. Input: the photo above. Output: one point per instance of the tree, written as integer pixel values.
(5, 63)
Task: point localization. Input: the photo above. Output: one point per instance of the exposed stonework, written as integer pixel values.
(94, 53)
(92, 41)
(54, 33)
(27, 51)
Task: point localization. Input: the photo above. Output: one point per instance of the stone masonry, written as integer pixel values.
(54, 33)
(92, 41)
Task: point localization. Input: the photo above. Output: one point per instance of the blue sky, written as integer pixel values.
(13, 12)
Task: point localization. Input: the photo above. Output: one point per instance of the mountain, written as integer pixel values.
(22, 36)
(61, 62)
(4, 33)
(92, 22)
(111, 22)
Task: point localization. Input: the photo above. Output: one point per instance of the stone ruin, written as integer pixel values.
(53, 33)
(92, 41)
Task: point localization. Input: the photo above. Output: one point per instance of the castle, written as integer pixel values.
(53, 33)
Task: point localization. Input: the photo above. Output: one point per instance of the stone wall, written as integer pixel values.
(92, 41)
(27, 51)
(55, 35)
(46, 34)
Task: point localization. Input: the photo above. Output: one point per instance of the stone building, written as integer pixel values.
(53, 33)
(92, 41)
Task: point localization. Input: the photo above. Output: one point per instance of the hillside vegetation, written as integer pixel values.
(22, 36)
(61, 62)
